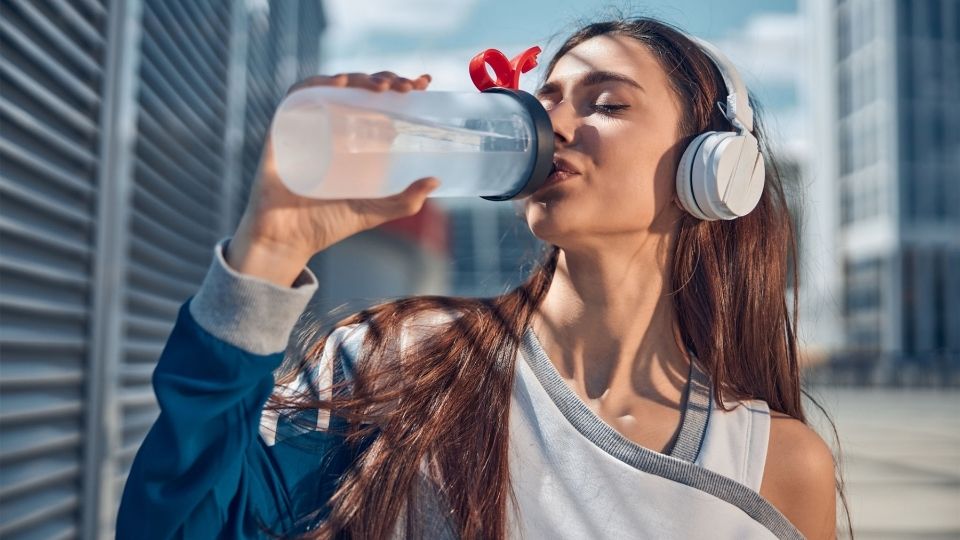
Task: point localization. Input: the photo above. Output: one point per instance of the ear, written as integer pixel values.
(676, 202)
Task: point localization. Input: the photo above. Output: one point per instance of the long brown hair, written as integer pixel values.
(444, 404)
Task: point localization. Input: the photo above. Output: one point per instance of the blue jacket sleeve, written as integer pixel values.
(204, 470)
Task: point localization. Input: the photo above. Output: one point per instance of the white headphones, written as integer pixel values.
(721, 173)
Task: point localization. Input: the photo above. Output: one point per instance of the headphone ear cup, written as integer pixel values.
(721, 175)
(710, 166)
(686, 177)
(747, 174)
(733, 176)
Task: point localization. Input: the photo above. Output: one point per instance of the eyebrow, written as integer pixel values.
(591, 78)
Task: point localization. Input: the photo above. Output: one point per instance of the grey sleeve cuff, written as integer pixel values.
(248, 312)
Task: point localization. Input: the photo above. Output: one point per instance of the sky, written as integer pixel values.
(410, 37)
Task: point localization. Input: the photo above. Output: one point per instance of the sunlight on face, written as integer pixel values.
(623, 140)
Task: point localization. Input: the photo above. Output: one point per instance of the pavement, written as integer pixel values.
(900, 453)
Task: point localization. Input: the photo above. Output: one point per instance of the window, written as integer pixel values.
(909, 303)
(905, 17)
(846, 210)
(462, 249)
(843, 84)
(870, 81)
(518, 246)
(862, 301)
(843, 33)
(940, 300)
(934, 19)
(846, 149)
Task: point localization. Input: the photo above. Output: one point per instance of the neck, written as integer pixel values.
(608, 324)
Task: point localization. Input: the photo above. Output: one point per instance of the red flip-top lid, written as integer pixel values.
(507, 72)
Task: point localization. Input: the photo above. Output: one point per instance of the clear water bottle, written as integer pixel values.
(339, 143)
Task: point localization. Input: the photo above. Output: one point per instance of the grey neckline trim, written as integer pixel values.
(696, 414)
(678, 466)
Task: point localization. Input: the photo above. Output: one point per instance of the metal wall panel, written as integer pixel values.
(177, 171)
(128, 132)
(50, 75)
(308, 38)
(269, 54)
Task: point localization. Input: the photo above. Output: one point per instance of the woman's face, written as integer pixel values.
(621, 137)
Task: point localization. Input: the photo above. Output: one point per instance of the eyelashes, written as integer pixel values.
(610, 109)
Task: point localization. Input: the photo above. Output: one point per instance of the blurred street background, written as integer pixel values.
(130, 132)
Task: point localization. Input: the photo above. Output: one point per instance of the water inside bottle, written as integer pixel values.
(460, 173)
(376, 154)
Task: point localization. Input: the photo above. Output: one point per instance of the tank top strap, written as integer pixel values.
(757, 442)
(696, 414)
(735, 442)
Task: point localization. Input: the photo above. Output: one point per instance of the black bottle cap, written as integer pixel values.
(543, 144)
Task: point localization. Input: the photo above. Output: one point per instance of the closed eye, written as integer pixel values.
(610, 109)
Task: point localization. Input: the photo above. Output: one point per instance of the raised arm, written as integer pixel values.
(204, 470)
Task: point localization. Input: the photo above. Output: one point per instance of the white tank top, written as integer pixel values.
(576, 477)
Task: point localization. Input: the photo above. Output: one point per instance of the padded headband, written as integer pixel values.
(738, 110)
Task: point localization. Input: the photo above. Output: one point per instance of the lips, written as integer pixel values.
(561, 164)
(562, 169)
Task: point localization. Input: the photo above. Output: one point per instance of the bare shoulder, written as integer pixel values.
(798, 477)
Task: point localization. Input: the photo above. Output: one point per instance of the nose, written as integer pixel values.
(562, 118)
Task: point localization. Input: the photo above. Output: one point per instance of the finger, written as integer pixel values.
(362, 80)
(402, 84)
(354, 79)
(378, 84)
(422, 186)
(340, 79)
(381, 84)
(409, 201)
(421, 82)
(383, 79)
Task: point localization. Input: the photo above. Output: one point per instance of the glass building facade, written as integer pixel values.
(897, 74)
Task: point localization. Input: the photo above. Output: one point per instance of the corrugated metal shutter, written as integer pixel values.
(262, 95)
(308, 38)
(127, 133)
(51, 75)
(178, 168)
(283, 47)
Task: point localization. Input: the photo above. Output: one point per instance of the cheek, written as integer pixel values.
(630, 186)
(632, 175)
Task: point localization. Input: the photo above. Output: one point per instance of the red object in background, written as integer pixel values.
(507, 72)
(427, 228)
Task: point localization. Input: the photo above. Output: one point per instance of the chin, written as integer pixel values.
(549, 222)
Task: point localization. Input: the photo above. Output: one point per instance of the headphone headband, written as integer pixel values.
(737, 110)
(721, 174)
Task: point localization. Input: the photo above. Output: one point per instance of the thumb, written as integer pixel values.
(421, 187)
(409, 201)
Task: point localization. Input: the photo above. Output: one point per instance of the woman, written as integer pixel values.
(643, 382)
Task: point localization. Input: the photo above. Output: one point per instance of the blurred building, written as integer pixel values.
(491, 247)
(810, 208)
(821, 293)
(889, 130)
(129, 134)
(404, 257)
